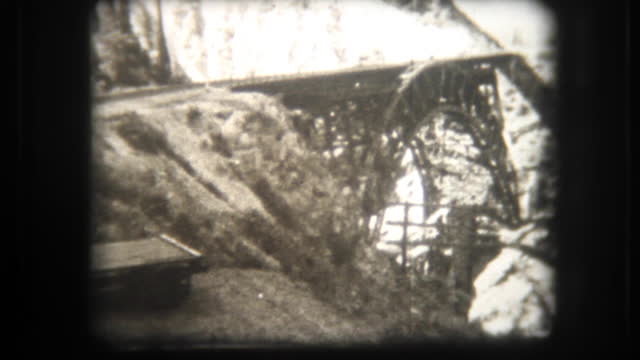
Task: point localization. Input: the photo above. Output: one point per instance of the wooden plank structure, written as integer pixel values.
(151, 271)
(145, 252)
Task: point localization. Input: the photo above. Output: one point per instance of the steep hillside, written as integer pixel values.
(226, 174)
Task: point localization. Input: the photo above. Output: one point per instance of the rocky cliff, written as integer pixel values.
(195, 41)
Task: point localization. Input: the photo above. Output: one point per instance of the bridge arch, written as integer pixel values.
(461, 99)
(364, 120)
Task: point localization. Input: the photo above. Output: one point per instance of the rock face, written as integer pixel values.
(208, 40)
(226, 174)
(515, 293)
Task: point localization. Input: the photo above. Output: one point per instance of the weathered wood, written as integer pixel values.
(179, 245)
(154, 271)
(144, 252)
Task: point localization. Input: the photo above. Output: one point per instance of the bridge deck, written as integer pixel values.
(360, 81)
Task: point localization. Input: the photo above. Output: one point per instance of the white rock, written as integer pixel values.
(508, 292)
(511, 236)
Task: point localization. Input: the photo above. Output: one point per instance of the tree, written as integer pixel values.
(119, 58)
(162, 68)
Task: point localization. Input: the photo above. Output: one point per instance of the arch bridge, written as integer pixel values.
(368, 117)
